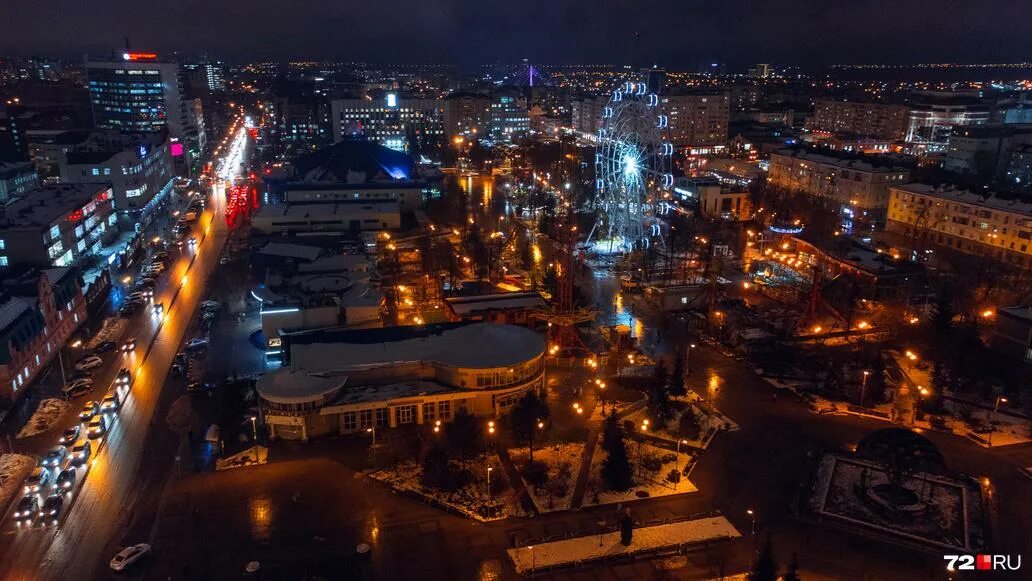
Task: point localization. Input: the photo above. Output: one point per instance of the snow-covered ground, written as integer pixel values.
(709, 420)
(14, 468)
(563, 461)
(646, 484)
(49, 412)
(250, 457)
(953, 517)
(469, 500)
(595, 547)
(113, 327)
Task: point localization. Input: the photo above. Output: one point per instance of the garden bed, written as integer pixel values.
(562, 462)
(648, 483)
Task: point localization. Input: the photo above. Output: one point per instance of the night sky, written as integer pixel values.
(674, 33)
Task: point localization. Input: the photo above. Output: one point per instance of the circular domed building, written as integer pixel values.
(342, 381)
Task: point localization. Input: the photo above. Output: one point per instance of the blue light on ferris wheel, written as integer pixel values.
(630, 164)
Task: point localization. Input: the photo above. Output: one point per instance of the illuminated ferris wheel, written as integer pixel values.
(632, 169)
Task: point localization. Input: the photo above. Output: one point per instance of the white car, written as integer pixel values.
(196, 343)
(77, 387)
(129, 555)
(87, 363)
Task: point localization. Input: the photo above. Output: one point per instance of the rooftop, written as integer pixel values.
(520, 300)
(285, 250)
(43, 206)
(988, 200)
(871, 163)
(469, 345)
(305, 211)
(286, 386)
(354, 161)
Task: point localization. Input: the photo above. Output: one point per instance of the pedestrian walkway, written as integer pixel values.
(585, 468)
(526, 503)
(645, 540)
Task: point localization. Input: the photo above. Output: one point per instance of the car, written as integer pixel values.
(124, 376)
(146, 282)
(77, 387)
(27, 508)
(161, 255)
(54, 457)
(129, 345)
(69, 436)
(209, 315)
(159, 308)
(39, 478)
(210, 304)
(193, 241)
(97, 427)
(51, 511)
(129, 555)
(90, 409)
(109, 404)
(81, 452)
(66, 479)
(199, 387)
(224, 260)
(196, 343)
(137, 296)
(130, 309)
(105, 346)
(177, 370)
(89, 362)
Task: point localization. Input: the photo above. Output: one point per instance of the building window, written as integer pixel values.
(444, 410)
(406, 414)
(4, 261)
(350, 421)
(429, 412)
(382, 415)
(365, 418)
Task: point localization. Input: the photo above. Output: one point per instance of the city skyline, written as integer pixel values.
(467, 34)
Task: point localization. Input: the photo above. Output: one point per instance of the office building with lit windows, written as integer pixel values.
(401, 124)
(337, 381)
(55, 225)
(16, 178)
(138, 166)
(39, 311)
(509, 117)
(697, 120)
(137, 92)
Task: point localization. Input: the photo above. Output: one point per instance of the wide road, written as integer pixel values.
(100, 508)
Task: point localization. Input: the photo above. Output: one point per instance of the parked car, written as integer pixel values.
(90, 409)
(210, 304)
(89, 362)
(66, 479)
(129, 555)
(69, 436)
(39, 478)
(199, 387)
(196, 343)
(54, 456)
(77, 387)
(27, 508)
(81, 452)
(105, 347)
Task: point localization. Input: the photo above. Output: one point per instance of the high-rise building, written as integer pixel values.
(510, 117)
(298, 116)
(697, 120)
(466, 114)
(984, 150)
(864, 118)
(586, 114)
(402, 124)
(137, 92)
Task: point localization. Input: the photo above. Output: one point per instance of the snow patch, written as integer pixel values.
(49, 412)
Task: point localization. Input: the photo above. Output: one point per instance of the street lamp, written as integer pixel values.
(752, 530)
(437, 427)
(254, 428)
(863, 387)
(489, 469)
(992, 427)
(677, 462)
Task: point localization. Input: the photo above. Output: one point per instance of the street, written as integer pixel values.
(104, 502)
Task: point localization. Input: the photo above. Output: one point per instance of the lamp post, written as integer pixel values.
(644, 428)
(489, 469)
(254, 428)
(540, 426)
(752, 530)
(372, 430)
(863, 387)
(677, 462)
(691, 347)
(992, 427)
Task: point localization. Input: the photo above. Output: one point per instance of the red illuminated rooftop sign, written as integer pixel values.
(140, 56)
